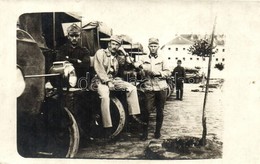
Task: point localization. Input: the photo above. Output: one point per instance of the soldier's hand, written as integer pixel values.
(121, 49)
(111, 86)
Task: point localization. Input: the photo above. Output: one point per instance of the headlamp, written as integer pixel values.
(67, 72)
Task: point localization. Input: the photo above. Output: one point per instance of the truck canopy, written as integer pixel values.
(46, 28)
(92, 35)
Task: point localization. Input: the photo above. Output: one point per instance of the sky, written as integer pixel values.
(162, 19)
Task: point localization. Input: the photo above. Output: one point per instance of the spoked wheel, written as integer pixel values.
(73, 136)
(62, 138)
(118, 117)
(170, 87)
(169, 90)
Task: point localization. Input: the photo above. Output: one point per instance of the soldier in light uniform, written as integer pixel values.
(106, 65)
(155, 71)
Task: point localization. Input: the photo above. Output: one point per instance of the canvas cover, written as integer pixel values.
(134, 48)
(102, 27)
(40, 26)
(92, 35)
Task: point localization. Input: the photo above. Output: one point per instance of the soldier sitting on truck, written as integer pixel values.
(74, 53)
(106, 65)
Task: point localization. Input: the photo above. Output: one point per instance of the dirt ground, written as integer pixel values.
(181, 118)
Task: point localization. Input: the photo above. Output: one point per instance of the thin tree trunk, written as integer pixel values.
(204, 124)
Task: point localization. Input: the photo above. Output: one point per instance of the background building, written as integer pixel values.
(177, 49)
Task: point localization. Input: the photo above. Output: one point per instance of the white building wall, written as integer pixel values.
(172, 53)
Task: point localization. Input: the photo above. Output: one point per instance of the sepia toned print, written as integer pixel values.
(88, 92)
(48, 114)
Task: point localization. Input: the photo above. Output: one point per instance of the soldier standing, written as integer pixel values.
(155, 71)
(179, 76)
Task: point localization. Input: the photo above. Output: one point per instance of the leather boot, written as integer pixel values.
(138, 120)
(107, 132)
(181, 91)
(144, 136)
(177, 95)
(157, 133)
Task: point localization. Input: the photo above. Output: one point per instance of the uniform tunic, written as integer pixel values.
(71, 54)
(106, 66)
(179, 75)
(150, 64)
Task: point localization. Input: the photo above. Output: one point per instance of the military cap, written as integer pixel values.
(74, 28)
(153, 41)
(116, 38)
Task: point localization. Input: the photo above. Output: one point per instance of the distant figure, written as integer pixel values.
(155, 71)
(74, 53)
(203, 81)
(179, 76)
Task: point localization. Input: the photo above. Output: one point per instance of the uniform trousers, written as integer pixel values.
(154, 99)
(179, 89)
(131, 97)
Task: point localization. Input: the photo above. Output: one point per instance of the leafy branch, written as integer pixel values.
(202, 48)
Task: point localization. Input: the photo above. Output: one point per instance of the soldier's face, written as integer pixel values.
(153, 48)
(74, 38)
(113, 46)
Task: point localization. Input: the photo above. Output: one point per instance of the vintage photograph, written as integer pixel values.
(88, 92)
(135, 81)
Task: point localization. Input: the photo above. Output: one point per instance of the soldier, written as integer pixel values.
(106, 65)
(179, 76)
(74, 53)
(155, 71)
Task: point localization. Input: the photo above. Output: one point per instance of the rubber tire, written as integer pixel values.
(74, 136)
(122, 114)
(169, 91)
